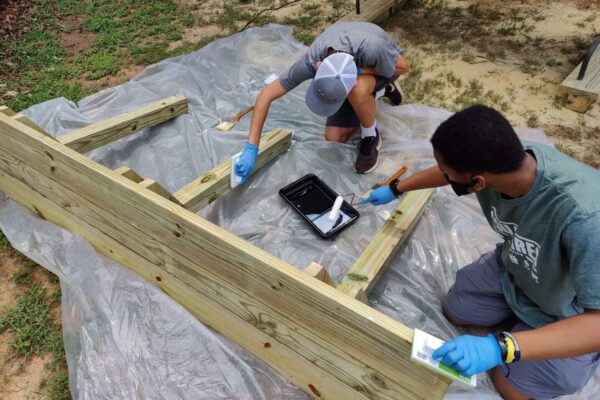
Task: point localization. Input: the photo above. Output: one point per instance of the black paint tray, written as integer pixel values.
(313, 200)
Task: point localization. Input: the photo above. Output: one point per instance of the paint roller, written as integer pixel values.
(335, 210)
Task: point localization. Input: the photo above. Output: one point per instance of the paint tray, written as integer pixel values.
(313, 200)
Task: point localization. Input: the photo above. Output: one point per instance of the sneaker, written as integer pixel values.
(368, 153)
(393, 93)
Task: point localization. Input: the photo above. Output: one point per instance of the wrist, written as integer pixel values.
(499, 341)
(251, 147)
(509, 347)
(513, 349)
(394, 188)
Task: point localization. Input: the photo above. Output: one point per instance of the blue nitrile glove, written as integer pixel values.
(246, 162)
(380, 196)
(470, 355)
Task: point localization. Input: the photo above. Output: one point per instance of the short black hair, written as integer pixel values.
(478, 138)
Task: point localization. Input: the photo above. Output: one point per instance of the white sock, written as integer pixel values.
(366, 132)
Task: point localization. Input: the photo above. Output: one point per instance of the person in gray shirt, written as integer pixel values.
(542, 281)
(350, 63)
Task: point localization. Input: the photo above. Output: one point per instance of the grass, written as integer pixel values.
(120, 33)
(494, 32)
(31, 327)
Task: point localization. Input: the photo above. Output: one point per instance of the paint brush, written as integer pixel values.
(396, 175)
(230, 122)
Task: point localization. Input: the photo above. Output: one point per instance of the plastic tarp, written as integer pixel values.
(125, 339)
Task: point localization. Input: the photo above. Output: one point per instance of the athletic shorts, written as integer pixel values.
(476, 299)
(345, 117)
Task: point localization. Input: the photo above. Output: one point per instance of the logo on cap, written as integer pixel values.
(333, 81)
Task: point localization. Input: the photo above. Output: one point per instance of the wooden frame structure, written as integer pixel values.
(319, 337)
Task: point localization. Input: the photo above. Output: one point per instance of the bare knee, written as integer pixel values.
(365, 85)
(337, 134)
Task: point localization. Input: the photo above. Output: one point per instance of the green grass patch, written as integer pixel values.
(31, 328)
(122, 32)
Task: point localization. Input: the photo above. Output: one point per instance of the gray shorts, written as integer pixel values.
(476, 299)
(345, 117)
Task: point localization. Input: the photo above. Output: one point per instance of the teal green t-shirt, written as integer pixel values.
(551, 249)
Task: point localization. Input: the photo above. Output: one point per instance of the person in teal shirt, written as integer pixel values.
(544, 276)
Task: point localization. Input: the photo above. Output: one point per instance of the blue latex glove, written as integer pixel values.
(380, 196)
(470, 355)
(246, 162)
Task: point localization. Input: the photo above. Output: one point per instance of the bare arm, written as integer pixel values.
(402, 67)
(429, 178)
(263, 102)
(566, 338)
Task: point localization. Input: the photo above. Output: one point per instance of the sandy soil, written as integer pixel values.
(526, 81)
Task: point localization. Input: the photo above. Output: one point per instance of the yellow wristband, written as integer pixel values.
(510, 349)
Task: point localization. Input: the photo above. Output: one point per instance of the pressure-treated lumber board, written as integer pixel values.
(204, 190)
(589, 86)
(368, 268)
(157, 188)
(103, 132)
(373, 11)
(129, 174)
(24, 120)
(319, 272)
(361, 347)
(6, 111)
(578, 103)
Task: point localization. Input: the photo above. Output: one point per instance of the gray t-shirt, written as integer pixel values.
(370, 46)
(551, 250)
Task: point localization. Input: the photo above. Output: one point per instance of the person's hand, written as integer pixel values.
(380, 196)
(245, 164)
(470, 355)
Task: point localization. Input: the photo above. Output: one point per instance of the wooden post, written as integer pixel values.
(361, 278)
(317, 271)
(95, 135)
(129, 174)
(208, 187)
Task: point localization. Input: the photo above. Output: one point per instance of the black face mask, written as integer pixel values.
(460, 189)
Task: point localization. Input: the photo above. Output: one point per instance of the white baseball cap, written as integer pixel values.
(334, 79)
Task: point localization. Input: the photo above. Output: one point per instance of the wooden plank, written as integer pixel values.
(157, 188)
(208, 187)
(319, 272)
(303, 314)
(6, 111)
(26, 121)
(129, 174)
(363, 275)
(103, 132)
(578, 103)
(373, 11)
(589, 86)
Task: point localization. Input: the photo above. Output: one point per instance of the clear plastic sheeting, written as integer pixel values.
(125, 339)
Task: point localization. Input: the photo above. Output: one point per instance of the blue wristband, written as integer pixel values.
(358, 70)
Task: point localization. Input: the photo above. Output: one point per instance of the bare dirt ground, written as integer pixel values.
(508, 54)
(512, 55)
